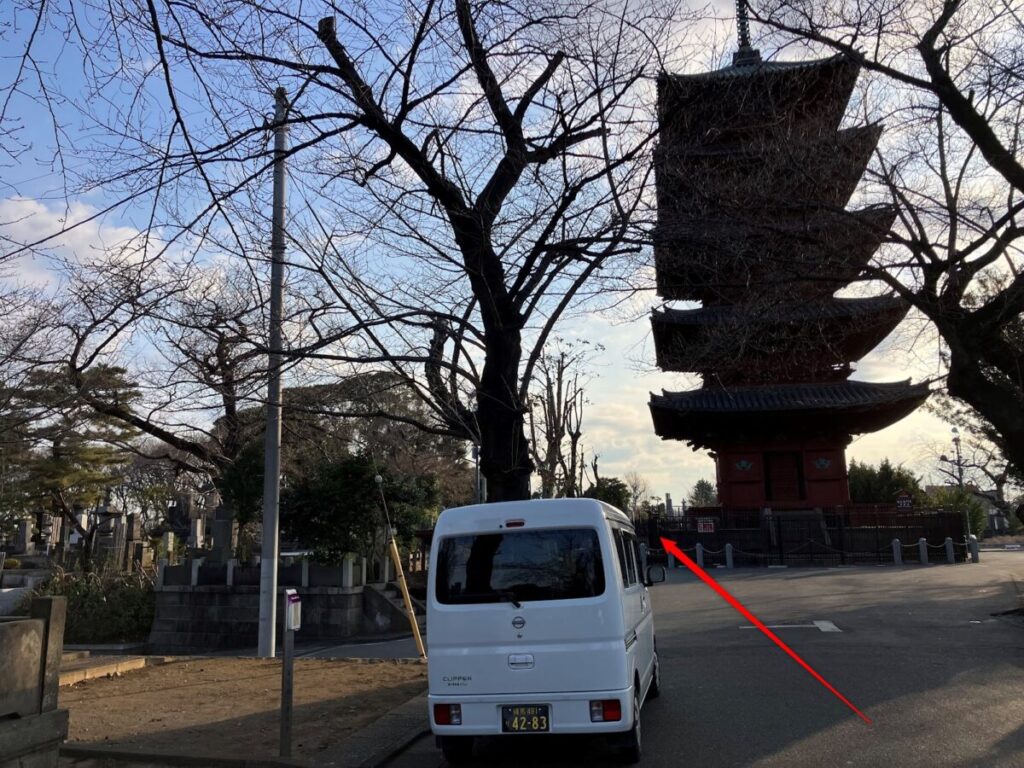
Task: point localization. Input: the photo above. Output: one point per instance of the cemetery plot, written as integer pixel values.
(228, 707)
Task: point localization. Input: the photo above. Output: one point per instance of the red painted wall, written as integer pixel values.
(742, 473)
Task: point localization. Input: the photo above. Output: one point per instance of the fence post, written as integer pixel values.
(700, 554)
(229, 577)
(897, 552)
(728, 556)
(671, 560)
(195, 572)
(922, 547)
(305, 572)
(972, 544)
(161, 566)
(950, 558)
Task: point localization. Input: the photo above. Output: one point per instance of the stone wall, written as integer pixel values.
(208, 618)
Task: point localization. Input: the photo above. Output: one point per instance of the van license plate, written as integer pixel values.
(525, 718)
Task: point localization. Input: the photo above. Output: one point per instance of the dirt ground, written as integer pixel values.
(227, 707)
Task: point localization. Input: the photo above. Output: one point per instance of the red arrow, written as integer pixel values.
(673, 549)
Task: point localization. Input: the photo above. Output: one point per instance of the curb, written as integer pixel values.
(386, 736)
(107, 668)
(125, 758)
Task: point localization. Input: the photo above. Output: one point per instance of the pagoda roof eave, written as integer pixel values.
(712, 416)
(844, 308)
(760, 68)
(788, 397)
(795, 336)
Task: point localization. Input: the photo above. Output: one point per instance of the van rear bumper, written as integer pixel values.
(570, 712)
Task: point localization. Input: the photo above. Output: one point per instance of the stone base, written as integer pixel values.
(34, 741)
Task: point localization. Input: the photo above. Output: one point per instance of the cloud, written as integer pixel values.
(25, 220)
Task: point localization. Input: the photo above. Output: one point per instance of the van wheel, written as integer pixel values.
(654, 689)
(457, 750)
(632, 745)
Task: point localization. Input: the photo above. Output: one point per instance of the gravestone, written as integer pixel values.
(197, 535)
(225, 535)
(31, 727)
(168, 546)
(23, 539)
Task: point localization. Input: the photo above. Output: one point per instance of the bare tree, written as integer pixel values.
(639, 490)
(556, 417)
(980, 461)
(465, 173)
(947, 78)
(191, 337)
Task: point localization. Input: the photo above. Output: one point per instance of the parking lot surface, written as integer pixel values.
(919, 649)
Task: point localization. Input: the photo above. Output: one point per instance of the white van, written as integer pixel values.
(538, 621)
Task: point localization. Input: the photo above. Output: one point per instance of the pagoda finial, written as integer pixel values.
(746, 55)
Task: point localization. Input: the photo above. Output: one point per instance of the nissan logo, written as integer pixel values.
(518, 622)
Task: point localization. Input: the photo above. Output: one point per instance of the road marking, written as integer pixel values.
(673, 548)
(824, 626)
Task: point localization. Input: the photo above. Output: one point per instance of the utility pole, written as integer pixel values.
(272, 444)
(476, 485)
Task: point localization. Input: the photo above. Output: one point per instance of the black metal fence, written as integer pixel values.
(812, 537)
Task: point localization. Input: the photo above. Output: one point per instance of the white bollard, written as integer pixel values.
(897, 552)
(700, 554)
(972, 544)
(728, 556)
(950, 557)
(922, 547)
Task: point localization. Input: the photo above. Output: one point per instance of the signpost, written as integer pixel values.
(291, 621)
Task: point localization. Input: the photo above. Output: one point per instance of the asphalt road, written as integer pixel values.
(403, 648)
(919, 651)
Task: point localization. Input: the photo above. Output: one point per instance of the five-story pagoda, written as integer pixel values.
(754, 180)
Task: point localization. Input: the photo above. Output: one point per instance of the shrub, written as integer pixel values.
(960, 500)
(103, 607)
(12, 564)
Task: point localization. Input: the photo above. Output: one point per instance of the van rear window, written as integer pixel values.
(549, 564)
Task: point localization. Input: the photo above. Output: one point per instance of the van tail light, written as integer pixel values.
(605, 711)
(448, 714)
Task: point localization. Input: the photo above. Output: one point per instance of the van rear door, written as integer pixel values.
(534, 610)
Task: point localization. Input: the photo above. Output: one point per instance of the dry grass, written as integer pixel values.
(228, 707)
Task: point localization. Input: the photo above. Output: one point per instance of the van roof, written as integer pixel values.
(535, 513)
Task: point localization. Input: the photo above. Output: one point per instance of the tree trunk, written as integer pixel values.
(504, 449)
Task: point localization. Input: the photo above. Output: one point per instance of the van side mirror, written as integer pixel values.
(655, 574)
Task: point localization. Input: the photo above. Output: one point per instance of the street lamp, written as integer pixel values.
(959, 457)
(959, 464)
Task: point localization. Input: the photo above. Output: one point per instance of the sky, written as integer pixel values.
(617, 423)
